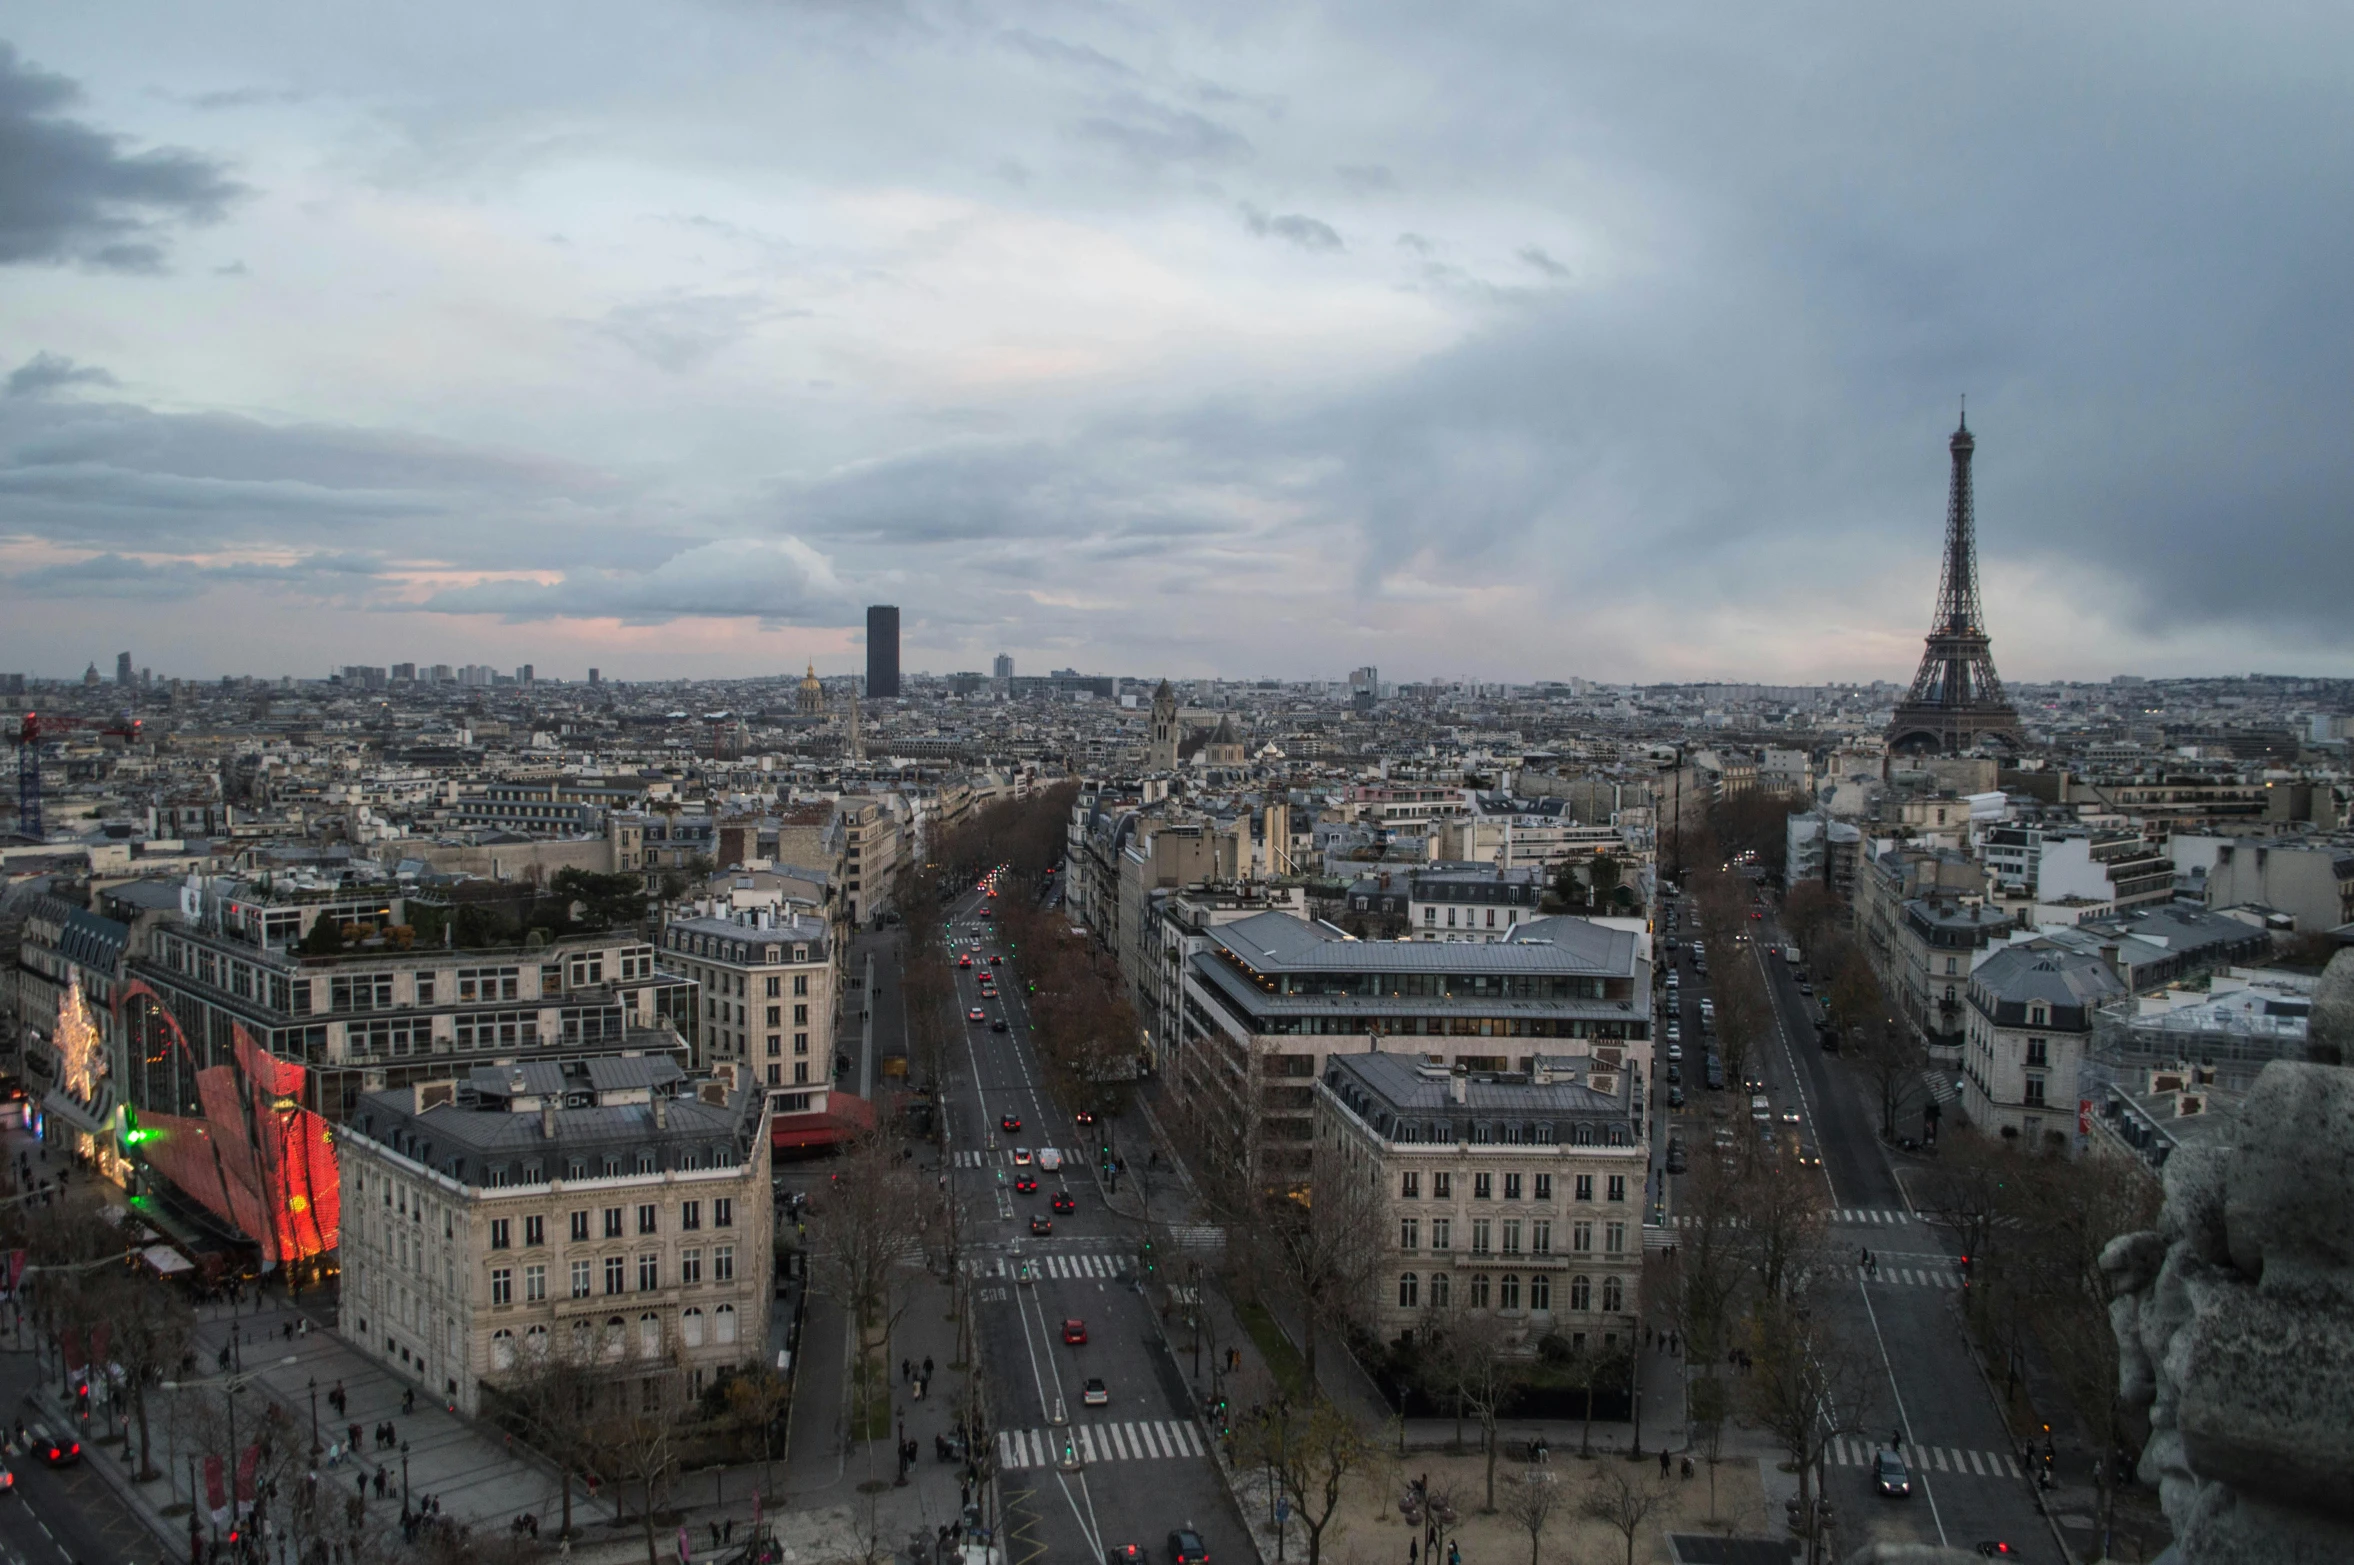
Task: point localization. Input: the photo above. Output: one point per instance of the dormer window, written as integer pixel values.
(2038, 1015)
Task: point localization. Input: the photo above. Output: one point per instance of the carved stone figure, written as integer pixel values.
(2235, 1328)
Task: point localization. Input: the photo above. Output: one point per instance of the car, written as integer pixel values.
(1094, 1393)
(1675, 1160)
(1009, 1123)
(1186, 1548)
(1074, 1332)
(1124, 1554)
(1021, 1155)
(985, 913)
(55, 1449)
(1808, 1157)
(1675, 1032)
(1890, 1476)
(1042, 1225)
(996, 959)
(1995, 1548)
(965, 960)
(976, 1014)
(998, 1025)
(1805, 987)
(1063, 1203)
(1675, 1051)
(1027, 1184)
(1083, 1117)
(7, 1481)
(1755, 913)
(1675, 1098)
(1790, 1116)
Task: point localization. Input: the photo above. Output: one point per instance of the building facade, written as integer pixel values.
(1518, 1194)
(767, 985)
(2030, 1021)
(616, 1211)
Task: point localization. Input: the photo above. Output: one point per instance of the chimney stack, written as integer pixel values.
(1459, 1085)
(661, 1113)
(547, 1119)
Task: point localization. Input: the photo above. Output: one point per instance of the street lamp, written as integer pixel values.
(314, 1384)
(230, 1385)
(404, 1475)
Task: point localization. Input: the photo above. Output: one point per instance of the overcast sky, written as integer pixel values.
(1505, 342)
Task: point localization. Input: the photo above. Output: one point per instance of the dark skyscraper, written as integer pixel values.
(882, 651)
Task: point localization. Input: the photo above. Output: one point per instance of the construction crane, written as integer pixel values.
(31, 734)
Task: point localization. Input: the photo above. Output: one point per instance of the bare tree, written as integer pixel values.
(1329, 1243)
(875, 1218)
(150, 1329)
(640, 1431)
(550, 1398)
(758, 1396)
(1784, 1217)
(1476, 1352)
(1531, 1505)
(1710, 1402)
(1803, 1388)
(1623, 1497)
(1311, 1451)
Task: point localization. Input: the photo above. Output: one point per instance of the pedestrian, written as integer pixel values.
(715, 1535)
(1687, 1469)
(1896, 1439)
(727, 1532)
(927, 1366)
(1663, 1462)
(1413, 1551)
(906, 1370)
(1454, 1552)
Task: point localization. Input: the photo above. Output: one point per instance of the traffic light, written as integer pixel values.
(1144, 1258)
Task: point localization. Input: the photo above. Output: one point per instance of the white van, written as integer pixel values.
(1050, 1159)
(1760, 1110)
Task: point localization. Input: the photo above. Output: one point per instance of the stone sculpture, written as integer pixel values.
(2235, 1325)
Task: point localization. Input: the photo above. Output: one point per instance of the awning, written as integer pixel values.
(57, 1105)
(845, 1118)
(166, 1260)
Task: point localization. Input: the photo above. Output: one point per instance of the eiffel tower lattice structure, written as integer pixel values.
(1957, 698)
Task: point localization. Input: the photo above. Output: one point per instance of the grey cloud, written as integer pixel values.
(1363, 178)
(246, 97)
(778, 581)
(1415, 243)
(681, 332)
(45, 372)
(70, 193)
(1154, 134)
(124, 577)
(1306, 232)
(1053, 51)
(1543, 262)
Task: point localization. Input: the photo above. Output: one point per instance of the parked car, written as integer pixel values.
(1675, 1100)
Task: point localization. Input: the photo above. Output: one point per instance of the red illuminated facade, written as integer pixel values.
(253, 1156)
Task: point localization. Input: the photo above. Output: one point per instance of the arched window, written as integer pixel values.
(535, 1345)
(1508, 1292)
(502, 1349)
(1581, 1294)
(1540, 1293)
(1613, 1294)
(1442, 1287)
(1479, 1290)
(1409, 1291)
(583, 1340)
(690, 1327)
(615, 1346)
(723, 1323)
(649, 1336)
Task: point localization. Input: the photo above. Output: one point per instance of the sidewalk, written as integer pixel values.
(839, 1498)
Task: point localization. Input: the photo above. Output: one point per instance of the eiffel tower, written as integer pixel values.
(1957, 698)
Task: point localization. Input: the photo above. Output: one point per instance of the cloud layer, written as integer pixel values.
(1229, 339)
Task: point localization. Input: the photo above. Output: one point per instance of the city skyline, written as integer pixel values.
(1632, 363)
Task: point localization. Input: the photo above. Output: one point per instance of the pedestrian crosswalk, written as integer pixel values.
(1074, 1160)
(1197, 1236)
(1076, 1267)
(1138, 1441)
(1930, 1459)
(1911, 1276)
(1865, 1216)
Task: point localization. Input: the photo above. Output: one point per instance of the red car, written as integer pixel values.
(1042, 1225)
(1027, 1184)
(1075, 1332)
(1011, 1122)
(965, 961)
(985, 913)
(1062, 1202)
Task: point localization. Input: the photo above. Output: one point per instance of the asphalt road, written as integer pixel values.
(1142, 1463)
(67, 1515)
(1902, 1317)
